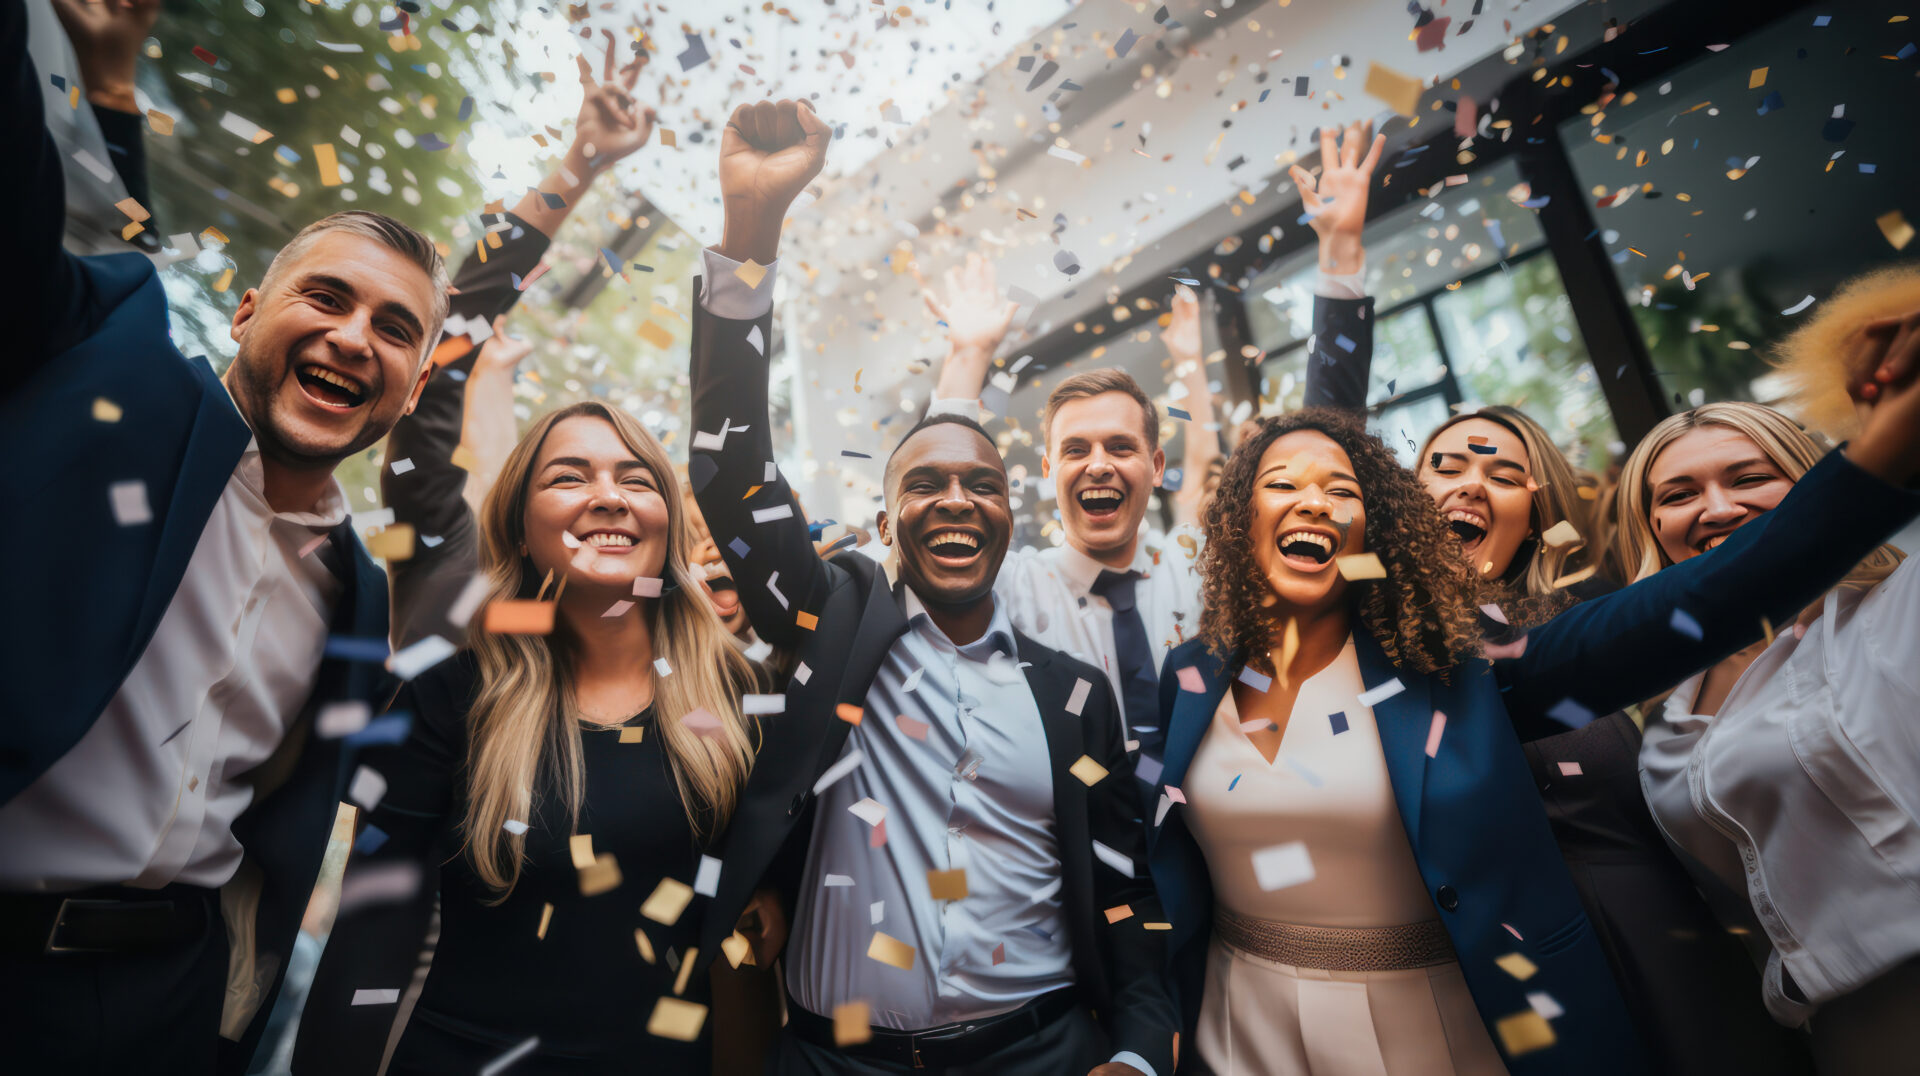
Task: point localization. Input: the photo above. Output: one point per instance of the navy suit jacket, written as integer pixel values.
(86, 593)
(1471, 812)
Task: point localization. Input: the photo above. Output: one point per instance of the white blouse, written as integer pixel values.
(1797, 807)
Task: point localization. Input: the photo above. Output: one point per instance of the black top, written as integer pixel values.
(585, 989)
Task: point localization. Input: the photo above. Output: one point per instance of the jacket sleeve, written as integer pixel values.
(1604, 654)
(388, 894)
(749, 508)
(48, 305)
(430, 495)
(1341, 355)
(1144, 1019)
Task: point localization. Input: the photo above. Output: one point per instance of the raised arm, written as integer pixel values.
(106, 37)
(769, 152)
(1342, 354)
(976, 317)
(1634, 643)
(1201, 436)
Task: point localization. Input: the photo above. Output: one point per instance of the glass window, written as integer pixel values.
(1748, 180)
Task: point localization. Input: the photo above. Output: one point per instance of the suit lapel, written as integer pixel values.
(1066, 741)
(1187, 725)
(1404, 721)
(881, 622)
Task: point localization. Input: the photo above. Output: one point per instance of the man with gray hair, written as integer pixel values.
(193, 622)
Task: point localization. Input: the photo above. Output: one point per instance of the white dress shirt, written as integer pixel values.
(150, 793)
(1797, 807)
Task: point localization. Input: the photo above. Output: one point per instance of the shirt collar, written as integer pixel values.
(327, 513)
(999, 634)
(1083, 571)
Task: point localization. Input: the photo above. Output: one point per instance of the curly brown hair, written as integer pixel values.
(1422, 612)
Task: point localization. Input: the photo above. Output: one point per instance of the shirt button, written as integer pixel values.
(1446, 898)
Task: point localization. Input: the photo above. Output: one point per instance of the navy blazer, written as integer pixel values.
(86, 593)
(1472, 815)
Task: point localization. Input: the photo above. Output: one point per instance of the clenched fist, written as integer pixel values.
(770, 151)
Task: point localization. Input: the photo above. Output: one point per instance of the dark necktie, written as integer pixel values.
(1139, 679)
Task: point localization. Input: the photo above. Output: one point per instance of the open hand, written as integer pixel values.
(501, 353)
(106, 36)
(1337, 203)
(612, 123)
(769, 152)
(1182, 334)
(976, 316)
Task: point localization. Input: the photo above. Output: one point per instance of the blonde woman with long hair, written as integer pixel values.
(1784, 776)
(561, 777)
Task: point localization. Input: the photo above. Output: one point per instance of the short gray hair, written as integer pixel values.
(389, 233)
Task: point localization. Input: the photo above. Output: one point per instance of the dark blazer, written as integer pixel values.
(1118, 966)
(79, 619)
(1471, 812)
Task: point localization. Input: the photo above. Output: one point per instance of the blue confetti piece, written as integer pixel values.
(1484, 450)
(553, 201)
(1263, 96)
(1822, 20)
(59, 83)
(1300, 86)
(1570, 713)
(1345, 343)
(433, 143)
(466, 109)
(696, 53)
(1148, 769)
(1235, 781)
(850, 453)
(1179, 414)
(1868, 169)
(515, 278)
(1338, 720)
(1126, 42)
(370, 840)
(613, 260)
(357, 648)
(1683, 622)
(286, 155)
(1536, 203)
(1772, 102)
(1254, 679)
(385, 729)
(1306, 775)
(1907, 52)
(740, 548)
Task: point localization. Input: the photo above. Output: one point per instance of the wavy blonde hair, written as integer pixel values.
(1819, 358)
(1783, 441)
(524, 726)
(1530, 595)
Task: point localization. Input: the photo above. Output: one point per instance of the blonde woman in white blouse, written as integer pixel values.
(1787, 777)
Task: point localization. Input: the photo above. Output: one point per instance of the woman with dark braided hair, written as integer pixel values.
(1358, 874)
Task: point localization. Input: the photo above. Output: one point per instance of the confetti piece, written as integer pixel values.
(633, 734)
(1757, 78)
(736, 948)
(1088, 771)
(890, 950)
(947, 885)
(546, 918)
(1000, 954)
(1119, 912)
(1523, 1033)
(367, 787)
(1684, 623)
(1358, 566)
(868, 810)
(1516, 965)
(876, 912)
(1563, 533)
(807, 621)
(130, 509)
(1544, 1004)
(1400, 92)
(838, 881)
(707, 879)
(1894, 226)
(392, 543)
(1493, 613)
(1799, 306)
(1570, 713)
(1078, 700)
(759, 343)
(658, 337)
(768, 515)
(514, 826)
(750, 273)
(1433, 733)
(676, 1018)
(580, 847)
(702, 721)
(421, 656)
(161, 122)
(669, 899)
(1282, 865)
(801, 674)
(1113, 859)
(852, 1023)
(337, 719)
(518, 617)
(760, 705)
(646, 587)
(328, 163)
(1570, 769)
(1375, 695)
(376, 997)
(105, 410)
(838, 770)
(1515, 933)
(1190, 680)
(911, 728)
(1254, 678)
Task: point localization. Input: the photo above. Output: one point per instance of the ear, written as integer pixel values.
(249, 305)
(1160, 465)
(419, 384)
(883, 526)
(1046, 468)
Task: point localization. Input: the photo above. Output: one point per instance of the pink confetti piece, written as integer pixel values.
(878, 838)
(1515, 933)
(314, 543)
(646, 587)
(1190, 680)
(911, 728)
(1497, 651)
(1433, 733)
(1570, 769)
(1176, 795)
(702, 721)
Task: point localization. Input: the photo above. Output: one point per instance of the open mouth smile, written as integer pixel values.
(616, 543)
(331, 390)
(1305, 549)
(953, 548)
(1712, 542)
(1471, 526)
(1102, 502)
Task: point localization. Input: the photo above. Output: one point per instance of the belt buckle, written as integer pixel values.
(60, 920)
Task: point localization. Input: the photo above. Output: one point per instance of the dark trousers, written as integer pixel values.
(1070, 1046)
(80, 1014)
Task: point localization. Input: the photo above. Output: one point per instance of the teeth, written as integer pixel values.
(1100, 495)
(321, 373)
(1713, 542)
(1320, 540)
(1466, 517)
(959, 537)
(609, 539)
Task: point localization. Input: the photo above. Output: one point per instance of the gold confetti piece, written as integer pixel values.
(1156, 926)
(580, 845)
(751, 273)
(751, 490)
(132, 208)
(891, 950)
(1524, 1032)
(686, 970)
(1118, 912)
(847, 711)
(1517, 965)
(394, 542)
(1766, 629)
(644, 944)
(132, 230)
(736, 949)
(947, 885)
(517, 617)
(809, 622)
(1580, 576)
(1090, 772)
(1757, 79)
(286, 95)
(328, 163)
(1561, 533)
(1400, 92)
(1895, 227)
(633, 734)
(852, 1023)
(225, 281)
(655, 335)
(676, 1019)
(668, 138)
(602, 876)
(669, 899)
(1357, 566)
(546, 917)
(161, 122)
(105, 410)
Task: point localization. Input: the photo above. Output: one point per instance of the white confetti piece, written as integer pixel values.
(768, 515)
(468, 603)
(1789, 311)
(1493, 613)
(500, 1064)
(618, 609)
(758, 341)
(1544, 1004)
(1078, 700)
(376, 997)
(129, 500)
(1282, 865)
(802, 674)
(711, 442)
(1113, 859)
(877, 911)
(760, 705)
(772, 586)
(514, 826)
(421, 656)
(1064, 154)
(373, 520)
(838, 881)
(402, 466)
(101, 171)
(1570, 769)
(707, 880)
(913, 680)
(838, 770)
(367, 787)
(869, 811)
(662, 666)
(337, 719)
(647, 587)
(1376, 695)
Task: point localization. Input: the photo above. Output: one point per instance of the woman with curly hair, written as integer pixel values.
(1348, 844)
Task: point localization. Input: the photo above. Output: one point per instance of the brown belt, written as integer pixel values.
(1399, 948)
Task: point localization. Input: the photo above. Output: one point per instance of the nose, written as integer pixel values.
(1099, 464)
(352, 337)
(605, 496)
(954, 498)
(1718, 506)
(1313, 501)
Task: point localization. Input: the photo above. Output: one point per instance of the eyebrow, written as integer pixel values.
(1283, 466)
(390, 307)
(926, 470)
(1499, 461)
(1737, 465)
(587, 465)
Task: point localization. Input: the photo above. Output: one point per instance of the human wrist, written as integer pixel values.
(1341, 252)
(748, 237)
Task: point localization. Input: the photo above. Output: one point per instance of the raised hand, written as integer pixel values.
(501, 353)
(976, 316)
(1337, 202)
(106, 36)
(1182, 334)
(1889, 444)
(769, 152)
(612, 123)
